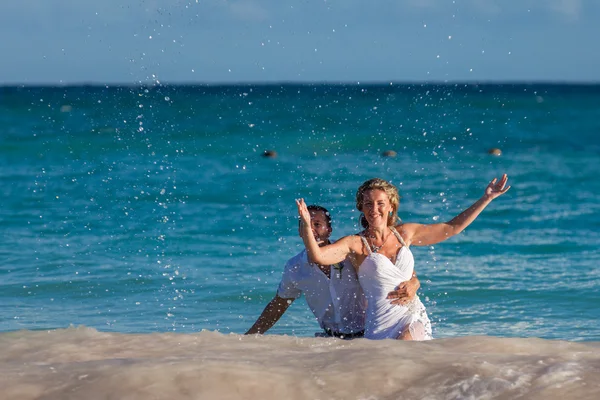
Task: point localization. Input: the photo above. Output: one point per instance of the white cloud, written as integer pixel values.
(569, 8)
(487, 6)
(421, 3)
(246, 10)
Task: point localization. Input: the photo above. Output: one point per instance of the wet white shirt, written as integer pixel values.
(338, 302)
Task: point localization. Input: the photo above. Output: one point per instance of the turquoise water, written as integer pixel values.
(129, 209)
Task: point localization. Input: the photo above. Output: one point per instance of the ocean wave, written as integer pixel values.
(85, 363)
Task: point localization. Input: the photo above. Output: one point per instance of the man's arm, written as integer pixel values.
(405, 292)
(270, 315)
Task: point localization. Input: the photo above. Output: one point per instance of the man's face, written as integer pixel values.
(320, 228)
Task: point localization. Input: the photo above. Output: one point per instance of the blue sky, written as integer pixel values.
(130, 41)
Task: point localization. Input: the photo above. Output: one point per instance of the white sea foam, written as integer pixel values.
(82, 363)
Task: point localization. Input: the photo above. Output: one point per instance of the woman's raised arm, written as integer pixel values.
(424, 235)
(325, 255)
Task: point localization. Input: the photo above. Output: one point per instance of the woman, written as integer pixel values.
(381, 255)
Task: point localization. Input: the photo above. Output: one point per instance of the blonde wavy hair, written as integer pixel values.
(385, 186)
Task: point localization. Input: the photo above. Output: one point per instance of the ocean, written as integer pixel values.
(144, 232)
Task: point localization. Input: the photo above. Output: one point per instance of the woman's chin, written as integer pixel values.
(376, 222)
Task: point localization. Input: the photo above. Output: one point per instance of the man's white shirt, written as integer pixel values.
(338, 302)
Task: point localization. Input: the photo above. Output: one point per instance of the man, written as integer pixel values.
(332, 292)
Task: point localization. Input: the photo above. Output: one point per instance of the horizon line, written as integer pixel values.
(303, 83)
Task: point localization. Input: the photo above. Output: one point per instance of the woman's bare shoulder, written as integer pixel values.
(350, 238)
(407, 230)
(353, 241)
(357, 249)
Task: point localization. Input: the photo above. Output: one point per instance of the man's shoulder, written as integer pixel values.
(295, 267)
(299, 259)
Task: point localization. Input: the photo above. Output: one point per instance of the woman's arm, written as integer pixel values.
(424, 235)
(325, 255)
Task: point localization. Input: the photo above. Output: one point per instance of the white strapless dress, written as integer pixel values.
(378, 276)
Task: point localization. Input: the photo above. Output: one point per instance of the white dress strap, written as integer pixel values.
(364, 240)
(398, 236)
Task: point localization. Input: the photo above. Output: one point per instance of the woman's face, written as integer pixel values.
(376, 207)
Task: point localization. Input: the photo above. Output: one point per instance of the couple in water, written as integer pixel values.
(379, 257)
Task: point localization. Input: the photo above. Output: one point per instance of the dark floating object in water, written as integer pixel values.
(270, 154)
(389, 153)
(495, 151)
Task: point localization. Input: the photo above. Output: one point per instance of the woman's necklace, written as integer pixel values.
(374, 248)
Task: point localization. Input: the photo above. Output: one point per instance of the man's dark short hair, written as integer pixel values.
(314, 207)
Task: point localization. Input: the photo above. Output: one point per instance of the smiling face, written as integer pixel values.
(379, 194)
(376, 206)
(319, 223)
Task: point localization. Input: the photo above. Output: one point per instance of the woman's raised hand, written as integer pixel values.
(497, 187)
(303, 212)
